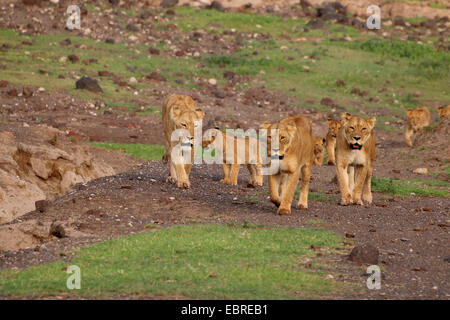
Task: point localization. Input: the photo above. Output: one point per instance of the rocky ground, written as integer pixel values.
(43, 147)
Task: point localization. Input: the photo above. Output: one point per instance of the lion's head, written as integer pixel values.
(444, 111)
(186, 116)
(333, 127)
(286, 134)
(356, 130)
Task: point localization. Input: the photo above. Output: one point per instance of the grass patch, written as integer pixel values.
(197, 262)
(408, 187)
(147, 152)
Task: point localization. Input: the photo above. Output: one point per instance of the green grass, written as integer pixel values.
(408, 187)
(315, 196)
(196, 262)
(147, 152)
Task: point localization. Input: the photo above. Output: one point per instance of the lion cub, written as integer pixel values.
(330, 140)
(295, 154)
(231, 164)
(180, 112)
(417, 119)
(318, 150)
(355, 151)
(444, 112)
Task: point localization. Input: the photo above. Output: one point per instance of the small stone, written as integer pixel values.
(57, 230)
(27, 92)
(154, 51)
(3, 83)
(89, 84)
(41, 205)
(423, 171)
(110, 40)
(365, 253)
(212, 81)
(220, 94)
(73, 58)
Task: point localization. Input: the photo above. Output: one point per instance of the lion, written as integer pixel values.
(295, 153)
(417, 119)
(318, 150)
(355, 154)
(444, 112)
(245, 151)
(330, 140)
(179, 112)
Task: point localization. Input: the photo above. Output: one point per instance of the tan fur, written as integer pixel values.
(179, 112)
(444, 112)
(330, 140)
(296, 148)
(318, 150)
(252, 156)
(352, 163)
(417, 119)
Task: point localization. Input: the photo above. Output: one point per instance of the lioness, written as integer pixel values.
(179, 112)
(232, 161)
(417, 119)
(295, 153)
(444, 112)
(330, 140)
(355, 149)
(318, 150)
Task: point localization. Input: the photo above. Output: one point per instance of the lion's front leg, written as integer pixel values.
(274, 187)
(304, 188)
(182, 177)
(408, 133)
(331, 159)
(367, 194)
(234, 173)
(341, 171)
(172, 178)
(361, 173)
(288, 193)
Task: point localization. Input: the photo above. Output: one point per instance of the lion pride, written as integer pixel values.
(295, 153)
(179, 112)
(355, 154)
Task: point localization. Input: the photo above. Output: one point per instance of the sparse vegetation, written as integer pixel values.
(141, 151)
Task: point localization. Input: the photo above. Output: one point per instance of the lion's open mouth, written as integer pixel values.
(355, 146)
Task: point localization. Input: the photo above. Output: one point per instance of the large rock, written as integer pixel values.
(365, 253)
(88, 83)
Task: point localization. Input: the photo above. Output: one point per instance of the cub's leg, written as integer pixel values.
(367, 194)
(288, 193)
(341, 171)
(331, 158)
(234, 174)
(304, 188)
(361, 173)
(408, 133)
(274, 186)
(226, 173)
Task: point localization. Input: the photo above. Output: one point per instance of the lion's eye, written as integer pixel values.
(282, 138)
(351, 128)
(184, 125)
(364, 129)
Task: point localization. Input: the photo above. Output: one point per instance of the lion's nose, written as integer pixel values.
(356, 138)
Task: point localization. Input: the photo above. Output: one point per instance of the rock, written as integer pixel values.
(229, 75)
(220, 94)
(65, 42)
(27, 92)
(168, 3)
(327, 102)
(421, 171)
(41, 205)
(216, 5)
(447, 259)
(365, 253)
(155, 76)
(356, 91)
(73, 58)
(89, 84)
(340, 83)
(110, 40)
(13, 92)
(417, 94)
(133, 27)
(103, 73)
(133, 80)
(114, 2)
(3, 83)
(349, 235)
(154, 51)
(57, 230)
(316, 23)
(212, 81)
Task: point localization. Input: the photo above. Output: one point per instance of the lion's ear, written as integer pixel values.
(200, 113)
(346, 116)
(323, 140)
(371, 122)
(264, 125)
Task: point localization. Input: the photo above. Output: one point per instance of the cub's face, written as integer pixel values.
(318, 147)
(444, 111)
(286, 133)
(357, 130)
(333, 127)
